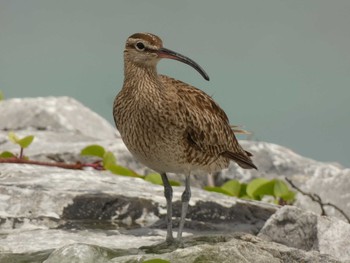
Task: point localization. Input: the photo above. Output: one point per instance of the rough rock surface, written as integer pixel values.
(60, 215)
(305, 230)
(332, 187)
(36, 198)
(240, 248)
(328, 180)
(62, 114)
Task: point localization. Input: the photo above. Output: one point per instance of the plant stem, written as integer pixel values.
(316, 198)
(75, 166)
(21, 153)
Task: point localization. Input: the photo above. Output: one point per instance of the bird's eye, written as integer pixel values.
(140, 46)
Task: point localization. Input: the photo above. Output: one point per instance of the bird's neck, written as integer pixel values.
(139, 75)
(139, 72)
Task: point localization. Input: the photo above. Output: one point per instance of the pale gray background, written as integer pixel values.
(280, 68)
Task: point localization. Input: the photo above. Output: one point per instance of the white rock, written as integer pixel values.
(63, 114)
(305, 230)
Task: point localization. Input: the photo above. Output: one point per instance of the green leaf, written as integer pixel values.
(254, 185)
(13, 137)
(260, 187)
(93, 150)
(121, 170)
(6, 154)
(174, 183)
(265, 189)
(280, 188)
(154, 178)
(108, 159)
(243, 190)
(290, 196)
(233, 187)
(246, 197)
(26, 141)
(156, 260)
(216, 189)
(1, 96)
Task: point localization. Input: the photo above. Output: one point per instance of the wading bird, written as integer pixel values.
(170, 126)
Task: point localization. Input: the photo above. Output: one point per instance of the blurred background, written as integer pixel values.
(281, 69)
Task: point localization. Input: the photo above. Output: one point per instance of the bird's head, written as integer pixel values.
(145, 49)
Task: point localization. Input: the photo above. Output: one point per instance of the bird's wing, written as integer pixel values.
(207, 125)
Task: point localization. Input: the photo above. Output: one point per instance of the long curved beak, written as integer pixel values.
(167, 53)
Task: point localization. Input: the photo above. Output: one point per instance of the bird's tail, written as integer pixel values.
(241, 158)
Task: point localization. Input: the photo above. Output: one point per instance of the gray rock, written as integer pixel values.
(332, 187)
(328, 180)
(60, 215)
(241, 248)
(38, 199)
(274, 161)
(61, 114)
(62, 127)
(305, 230)
(77, 253)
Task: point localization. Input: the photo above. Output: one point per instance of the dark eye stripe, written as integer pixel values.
(132, 46)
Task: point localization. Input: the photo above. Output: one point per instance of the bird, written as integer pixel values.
(169, 125)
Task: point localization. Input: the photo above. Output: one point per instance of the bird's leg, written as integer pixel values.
(168, 193)
(210, 180)
(185, 198)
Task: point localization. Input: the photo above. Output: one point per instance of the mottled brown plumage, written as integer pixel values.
(169, 125)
